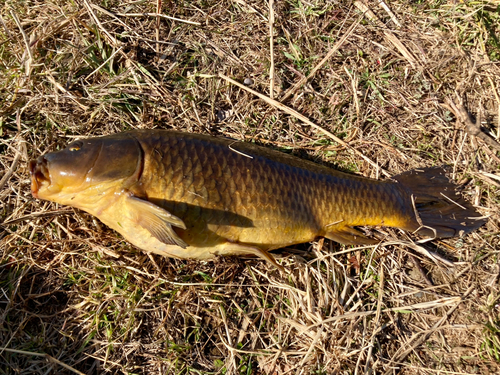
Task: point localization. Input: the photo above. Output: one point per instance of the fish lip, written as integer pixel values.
(39, 174)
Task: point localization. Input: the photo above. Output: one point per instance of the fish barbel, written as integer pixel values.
(195, 196)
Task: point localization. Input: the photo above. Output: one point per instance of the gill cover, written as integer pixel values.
(90, 162)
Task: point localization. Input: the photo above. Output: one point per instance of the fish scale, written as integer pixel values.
(285, 204)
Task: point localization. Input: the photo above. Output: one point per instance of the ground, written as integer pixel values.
(375, 88)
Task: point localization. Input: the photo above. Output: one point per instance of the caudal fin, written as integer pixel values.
(439, 210)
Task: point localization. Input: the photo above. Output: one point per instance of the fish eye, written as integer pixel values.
(75, 146)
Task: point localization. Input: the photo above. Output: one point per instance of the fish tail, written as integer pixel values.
(434, 207)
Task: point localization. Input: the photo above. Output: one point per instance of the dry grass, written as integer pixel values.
(76, 298)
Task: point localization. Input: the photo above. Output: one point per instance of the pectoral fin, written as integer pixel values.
(157, 221)
(349, 236)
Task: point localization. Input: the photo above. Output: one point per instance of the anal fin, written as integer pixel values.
(349, 236)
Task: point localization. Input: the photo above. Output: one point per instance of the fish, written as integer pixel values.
(194, 196)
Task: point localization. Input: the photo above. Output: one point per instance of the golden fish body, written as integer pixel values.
(195, 196)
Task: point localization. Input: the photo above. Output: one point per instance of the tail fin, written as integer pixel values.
(439, 210)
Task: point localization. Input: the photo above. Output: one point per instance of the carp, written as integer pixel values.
(196, 196)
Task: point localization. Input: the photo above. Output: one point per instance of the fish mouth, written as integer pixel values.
(39, 174)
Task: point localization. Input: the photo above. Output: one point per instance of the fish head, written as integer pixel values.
(86, 167)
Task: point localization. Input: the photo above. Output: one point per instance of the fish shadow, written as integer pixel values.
(204, 226)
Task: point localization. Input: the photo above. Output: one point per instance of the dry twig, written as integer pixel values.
(271, 48)
(305, 120)
(472, 129)
(388, 33)
(415, 342)
(330, 53)
(394, 19)
(48, 357)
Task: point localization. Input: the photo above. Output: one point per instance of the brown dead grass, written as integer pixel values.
(76, 298)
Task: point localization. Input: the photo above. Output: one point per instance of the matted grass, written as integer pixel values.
(76, 298)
